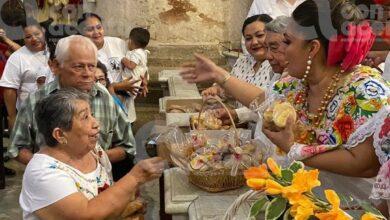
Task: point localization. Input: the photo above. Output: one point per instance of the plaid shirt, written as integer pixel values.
(115, 129)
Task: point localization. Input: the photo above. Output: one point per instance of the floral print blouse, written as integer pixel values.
(354, 104)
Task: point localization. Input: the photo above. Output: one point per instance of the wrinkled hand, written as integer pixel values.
(212, 91)
(129, 85)
(144, 86)
(223, 115)
(147, 170)
(284, 139)
(202, 71)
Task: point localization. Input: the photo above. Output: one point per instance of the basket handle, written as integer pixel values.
(224, 106)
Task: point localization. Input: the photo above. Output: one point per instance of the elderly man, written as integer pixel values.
(75, 65)
(274, 41)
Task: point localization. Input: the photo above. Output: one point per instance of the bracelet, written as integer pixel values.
(227, 77)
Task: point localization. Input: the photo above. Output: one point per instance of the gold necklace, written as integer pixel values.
(302, 99)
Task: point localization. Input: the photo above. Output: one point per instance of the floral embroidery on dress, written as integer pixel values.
(354, 104)
(89, 186)
(381, 188)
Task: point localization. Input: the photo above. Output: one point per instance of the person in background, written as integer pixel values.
(111, 52)
(7, 47)
(273, 8)
(23, 68)
(276, 47)
(136, 68)
(252, 68)
(102, 78)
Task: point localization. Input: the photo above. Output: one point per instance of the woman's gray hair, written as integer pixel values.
(56, 111)
(62, 49)
(278, 25)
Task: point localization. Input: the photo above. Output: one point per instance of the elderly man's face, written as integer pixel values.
(276, 51)
(78, 70)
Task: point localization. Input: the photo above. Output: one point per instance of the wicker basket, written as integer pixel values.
(217, 180)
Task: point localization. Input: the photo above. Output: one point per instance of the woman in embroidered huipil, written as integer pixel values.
(70, 177)
(335, 98)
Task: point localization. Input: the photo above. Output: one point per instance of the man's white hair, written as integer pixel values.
(62, 49)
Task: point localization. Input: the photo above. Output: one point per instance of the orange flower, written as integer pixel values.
(305, 181)
(256, 184)
(335, 213)
(302, 209)
(274, 167)
(369, 216)
(260, 172)
(273, 188)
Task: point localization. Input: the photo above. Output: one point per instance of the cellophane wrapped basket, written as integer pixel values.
(215, 160)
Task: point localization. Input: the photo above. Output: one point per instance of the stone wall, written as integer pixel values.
(175, 22)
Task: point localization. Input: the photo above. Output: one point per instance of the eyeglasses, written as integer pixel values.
(101, 80)
(81, 67)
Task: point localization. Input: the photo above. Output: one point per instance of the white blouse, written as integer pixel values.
(264, 77)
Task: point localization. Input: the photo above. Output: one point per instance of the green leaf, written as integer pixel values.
(258, 206)
(287, 175)
(367, 207)
(275, 208)
(296, 165)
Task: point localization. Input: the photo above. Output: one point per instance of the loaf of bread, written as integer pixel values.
(275, 117)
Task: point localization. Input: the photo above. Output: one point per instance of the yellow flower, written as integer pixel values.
(260, 172)
(303, 209)
(273, 188)
(274, 167)
(257, 184)
(369, 216)
(335, 213)
(305, 181)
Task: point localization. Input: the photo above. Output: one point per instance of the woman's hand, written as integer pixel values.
(147, 170)
(202, 71)
(223, 115)
(283, 139)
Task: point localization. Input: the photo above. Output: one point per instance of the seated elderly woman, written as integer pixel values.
(70, 177)
(252, 68)
(335, 99)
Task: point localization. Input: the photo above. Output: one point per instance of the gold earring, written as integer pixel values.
(64, 141)
(308, 67)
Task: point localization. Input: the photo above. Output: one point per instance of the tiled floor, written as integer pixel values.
(146, 114)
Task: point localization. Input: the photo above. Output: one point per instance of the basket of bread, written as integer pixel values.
(215, 159)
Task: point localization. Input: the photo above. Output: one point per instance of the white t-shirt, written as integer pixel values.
(22, 70)
(140, 57)
(111, 54)
(47, 180)
(273, 8)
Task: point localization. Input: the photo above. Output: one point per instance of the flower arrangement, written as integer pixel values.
(291, 194)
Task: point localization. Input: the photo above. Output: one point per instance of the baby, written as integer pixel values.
(136, 66)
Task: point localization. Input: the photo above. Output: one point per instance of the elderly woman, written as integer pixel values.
(334, 98)
(274, 41)
(70, 177)
(252, 68)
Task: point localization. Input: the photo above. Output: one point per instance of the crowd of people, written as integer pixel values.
(70, 103)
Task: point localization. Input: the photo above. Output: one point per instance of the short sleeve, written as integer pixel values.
(134, 57)
(43, 186)
(12, 73)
